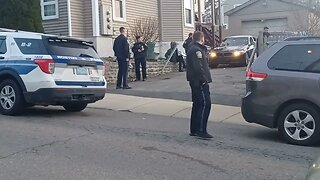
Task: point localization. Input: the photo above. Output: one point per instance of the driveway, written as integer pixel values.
(227, 88)
(51, 144)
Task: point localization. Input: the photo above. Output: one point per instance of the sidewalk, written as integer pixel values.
(165, 107)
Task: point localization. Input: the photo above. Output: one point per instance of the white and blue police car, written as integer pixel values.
(40, 69)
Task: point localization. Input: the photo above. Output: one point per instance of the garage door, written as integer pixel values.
(253, 27)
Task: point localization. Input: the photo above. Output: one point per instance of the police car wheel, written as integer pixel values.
(11, 98)
(75, 107)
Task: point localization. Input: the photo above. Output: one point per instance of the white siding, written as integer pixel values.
(58, 26)
(81, 15)
(172, 21)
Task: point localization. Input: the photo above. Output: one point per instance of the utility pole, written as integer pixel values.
(220, 21)
(213, 23)
(199, 15)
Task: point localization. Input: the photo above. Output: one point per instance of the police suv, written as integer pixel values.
(40, 69)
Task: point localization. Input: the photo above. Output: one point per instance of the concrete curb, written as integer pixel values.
(167, 107)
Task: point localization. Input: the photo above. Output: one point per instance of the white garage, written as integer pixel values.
(253, 27)
(278, 15)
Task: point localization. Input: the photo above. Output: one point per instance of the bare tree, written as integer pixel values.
(309, 21)
(147, 28)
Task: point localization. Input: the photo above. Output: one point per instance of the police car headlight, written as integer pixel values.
(213, 54)
(237, 53)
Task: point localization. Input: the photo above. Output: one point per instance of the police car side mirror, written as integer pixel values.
(1, 57)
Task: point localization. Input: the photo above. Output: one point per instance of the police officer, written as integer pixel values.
(187, 43)
(121, 51)
(139, 50)
(199, 77)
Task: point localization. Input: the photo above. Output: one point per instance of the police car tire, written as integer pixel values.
(75, 107)
(19, 104)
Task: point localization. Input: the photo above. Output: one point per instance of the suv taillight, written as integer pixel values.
(46, 65)
(253, 76)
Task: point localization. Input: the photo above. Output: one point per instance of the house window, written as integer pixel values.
(188, 12)
(49, 9)
(119, 10)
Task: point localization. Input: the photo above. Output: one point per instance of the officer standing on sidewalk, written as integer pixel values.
(199, 77)
(121, 51)
(139, 50)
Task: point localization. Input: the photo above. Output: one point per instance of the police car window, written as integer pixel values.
(31, 46)
(71, 48)
(304, 58)
(3, 46)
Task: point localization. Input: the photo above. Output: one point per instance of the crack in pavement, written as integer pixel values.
(217, 168)
(180, 111)
(36, 149)
(229, 117)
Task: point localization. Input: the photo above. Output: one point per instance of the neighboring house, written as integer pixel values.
(279, 15)
(226, 5)
(99, 20)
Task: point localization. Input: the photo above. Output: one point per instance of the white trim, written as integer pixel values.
(192, 14)
(56, 3)
(69, 18)
(124, 19)
(95, 18)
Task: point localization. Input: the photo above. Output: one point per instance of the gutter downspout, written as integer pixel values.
(95, 18)
(69, 18)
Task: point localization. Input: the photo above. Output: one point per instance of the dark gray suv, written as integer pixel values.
(283, 91)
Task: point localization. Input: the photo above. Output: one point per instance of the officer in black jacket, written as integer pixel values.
(121, 51)
(199, 77)
(187, 43)
(139, 50)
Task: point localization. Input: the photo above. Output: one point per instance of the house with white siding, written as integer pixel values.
(99, 20)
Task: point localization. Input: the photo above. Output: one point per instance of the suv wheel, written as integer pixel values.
(75, 107)
(299, 124)
(11, 98)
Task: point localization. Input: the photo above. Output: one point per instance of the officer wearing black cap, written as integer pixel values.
(199, 77)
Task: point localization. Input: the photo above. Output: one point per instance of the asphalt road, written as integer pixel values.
(227, 88)
(100, 144)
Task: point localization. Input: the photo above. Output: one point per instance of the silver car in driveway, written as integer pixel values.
(283, 91)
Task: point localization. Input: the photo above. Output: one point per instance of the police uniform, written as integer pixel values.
(199, 77)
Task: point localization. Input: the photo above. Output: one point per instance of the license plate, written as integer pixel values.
(95, 79)
(82, 71)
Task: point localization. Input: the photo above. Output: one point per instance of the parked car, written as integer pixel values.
(233, 50)
(282, 91)
(314, 171)
(40, 69)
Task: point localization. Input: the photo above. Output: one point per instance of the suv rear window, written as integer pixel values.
(71, 48)
(304, 58)
(31, 46)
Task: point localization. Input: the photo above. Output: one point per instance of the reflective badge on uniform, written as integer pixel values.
(199, 54)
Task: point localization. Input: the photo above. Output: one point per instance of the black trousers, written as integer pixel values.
(141, 62)
(182, 64)
(122, 73)
(201, 107)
